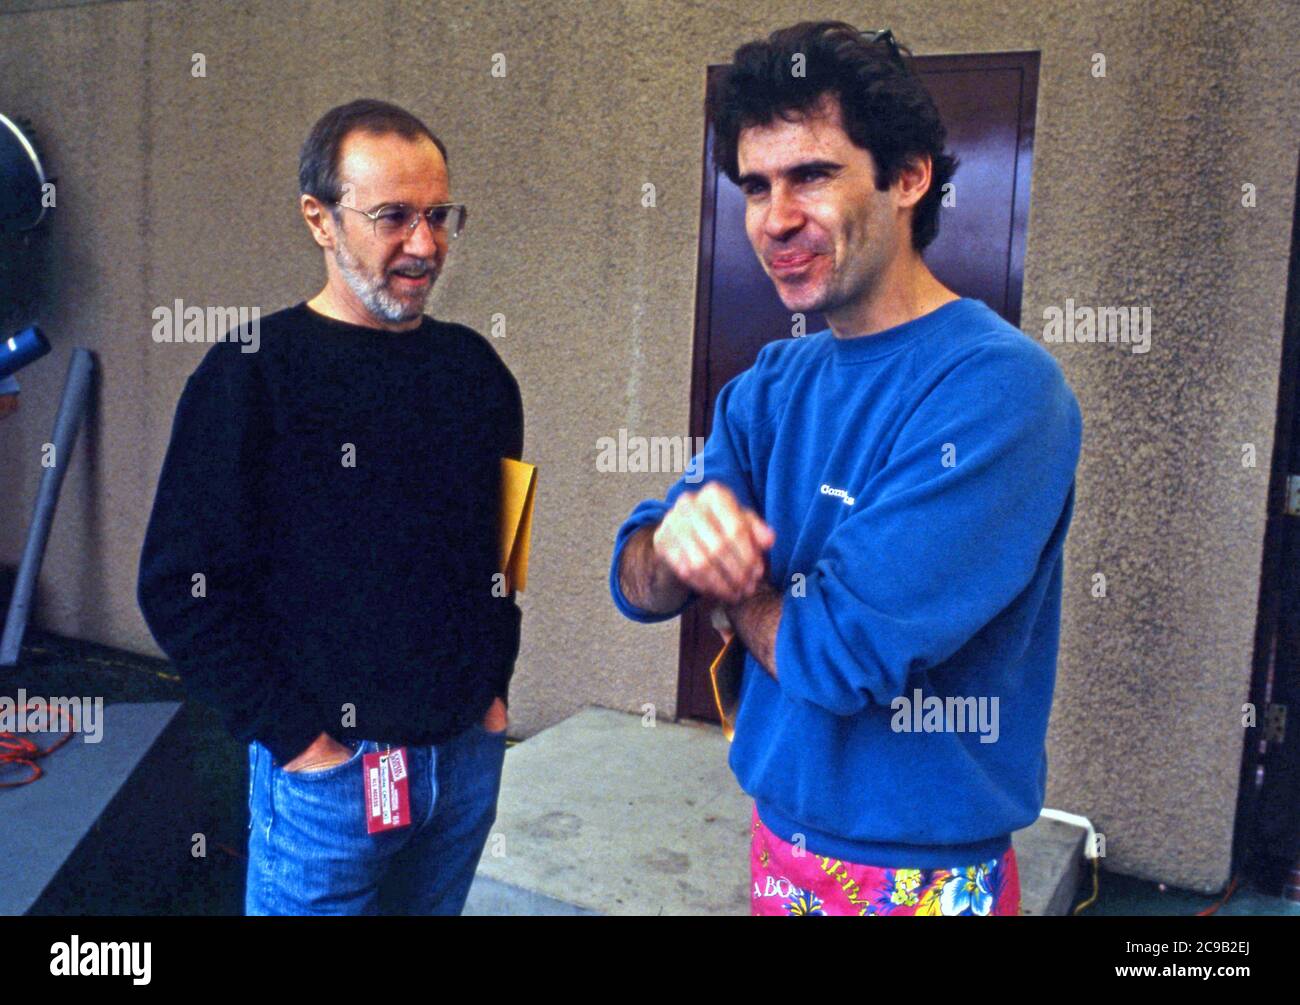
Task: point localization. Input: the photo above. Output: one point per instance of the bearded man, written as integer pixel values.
(321, 561)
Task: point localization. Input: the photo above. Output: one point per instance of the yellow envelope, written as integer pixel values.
(518, 487)
(725, 672)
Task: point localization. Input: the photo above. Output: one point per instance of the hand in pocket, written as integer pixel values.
(324, 752)
(496, 719)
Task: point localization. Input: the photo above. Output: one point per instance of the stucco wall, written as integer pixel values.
(172, 186)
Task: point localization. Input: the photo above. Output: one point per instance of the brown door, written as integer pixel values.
(987, 102)
(1266, 843)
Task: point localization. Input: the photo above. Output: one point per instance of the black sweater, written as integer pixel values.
(338, 492)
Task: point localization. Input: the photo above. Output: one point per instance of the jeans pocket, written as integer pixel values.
(333, 771)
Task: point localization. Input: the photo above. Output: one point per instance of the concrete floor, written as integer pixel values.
(55, 665)
(602, 814)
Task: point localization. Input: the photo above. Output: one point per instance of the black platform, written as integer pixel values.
(107, 824)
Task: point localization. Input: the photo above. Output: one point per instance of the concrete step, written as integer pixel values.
(604, 814)
(104, 822)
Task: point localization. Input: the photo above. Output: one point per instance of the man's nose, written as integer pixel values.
(784, 215)
(423, 241)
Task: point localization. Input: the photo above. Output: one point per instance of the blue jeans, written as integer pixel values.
(309, 852)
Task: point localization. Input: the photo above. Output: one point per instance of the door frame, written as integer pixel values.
(1268, 679)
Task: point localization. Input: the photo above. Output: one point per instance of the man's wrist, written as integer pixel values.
(646, 580)
(756, 619)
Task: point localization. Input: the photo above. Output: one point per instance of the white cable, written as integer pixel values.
(1089, 845)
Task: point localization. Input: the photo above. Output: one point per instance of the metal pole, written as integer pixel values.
(72, 408)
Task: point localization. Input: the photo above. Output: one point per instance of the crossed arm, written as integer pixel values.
(709, 544)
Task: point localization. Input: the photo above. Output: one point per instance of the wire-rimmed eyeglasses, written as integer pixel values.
(398, 219)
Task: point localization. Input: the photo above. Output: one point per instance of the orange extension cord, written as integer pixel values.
(15, 749)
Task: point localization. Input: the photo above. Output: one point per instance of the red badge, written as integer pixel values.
(387, 804)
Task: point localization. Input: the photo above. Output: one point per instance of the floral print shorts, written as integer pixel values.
(789, 881)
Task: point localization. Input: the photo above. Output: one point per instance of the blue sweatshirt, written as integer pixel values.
(920, 482)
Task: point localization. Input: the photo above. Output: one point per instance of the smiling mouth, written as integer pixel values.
(412, 277)
(791, 263)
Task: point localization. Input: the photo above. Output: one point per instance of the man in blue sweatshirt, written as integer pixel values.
(883, 509)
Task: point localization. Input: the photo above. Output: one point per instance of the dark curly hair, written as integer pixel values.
(318, 163)
(886, 109)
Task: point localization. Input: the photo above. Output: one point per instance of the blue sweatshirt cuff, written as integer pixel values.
(646, 514)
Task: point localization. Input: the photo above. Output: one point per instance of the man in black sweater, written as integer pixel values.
(322, 561)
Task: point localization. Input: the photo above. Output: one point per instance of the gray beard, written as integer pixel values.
(372, 293)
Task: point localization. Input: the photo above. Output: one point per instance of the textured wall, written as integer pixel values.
(172, 186)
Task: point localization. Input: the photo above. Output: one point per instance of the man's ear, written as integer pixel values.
(913, 180)
(320, 221)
